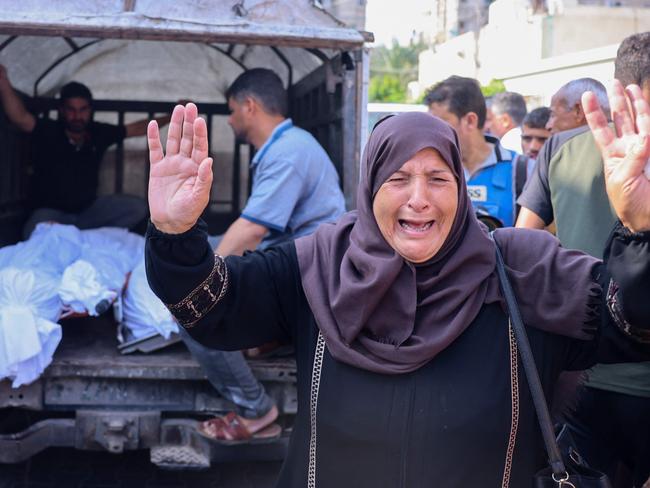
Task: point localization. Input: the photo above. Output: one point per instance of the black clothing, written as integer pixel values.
(446, 424)
(626, 438)
(66, 177)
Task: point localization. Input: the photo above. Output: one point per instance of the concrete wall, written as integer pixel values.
(535, 54)
(351, 12)
(586, 27)
(511, 38)
(455, 57)
(541, 82)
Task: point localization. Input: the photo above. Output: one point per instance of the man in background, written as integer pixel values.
(488, 165)
(566, 109)
(67, 157)
(508, 110)
(571, 149)
(295, 189)
(534, 132)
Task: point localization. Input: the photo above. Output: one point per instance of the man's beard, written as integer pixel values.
(240, 137)
(76, 127)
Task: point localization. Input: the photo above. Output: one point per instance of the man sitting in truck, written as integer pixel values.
(67, 157)
(295, 189)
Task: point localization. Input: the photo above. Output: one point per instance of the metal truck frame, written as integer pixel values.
(92, 396)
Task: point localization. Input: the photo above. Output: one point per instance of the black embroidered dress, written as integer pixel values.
(463, 420)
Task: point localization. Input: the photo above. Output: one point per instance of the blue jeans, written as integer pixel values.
(106, 211)
(231, 376)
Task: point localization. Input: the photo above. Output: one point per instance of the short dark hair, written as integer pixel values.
(460, 95)
(511, 103)
(632, 63)
(264, 86)
(537, 118)
(74, 89)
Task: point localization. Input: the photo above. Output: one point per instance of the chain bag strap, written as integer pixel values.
(566, 471)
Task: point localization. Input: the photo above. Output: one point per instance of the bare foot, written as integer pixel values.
(255, 425)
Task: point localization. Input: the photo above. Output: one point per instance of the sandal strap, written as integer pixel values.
(229, 427)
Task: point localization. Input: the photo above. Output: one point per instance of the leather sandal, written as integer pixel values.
(230, 430)
(274, 349)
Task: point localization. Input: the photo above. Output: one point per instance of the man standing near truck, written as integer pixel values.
(67, 157)
(295, 189)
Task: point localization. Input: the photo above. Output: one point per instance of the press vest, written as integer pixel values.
(491, 188)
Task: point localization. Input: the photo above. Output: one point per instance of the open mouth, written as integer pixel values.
(411, 226)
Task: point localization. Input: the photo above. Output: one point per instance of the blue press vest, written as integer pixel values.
(491, 189)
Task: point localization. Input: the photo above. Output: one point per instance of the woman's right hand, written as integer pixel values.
(625, 151)
(180, 180)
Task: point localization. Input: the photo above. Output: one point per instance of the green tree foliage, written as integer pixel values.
(391, 69)
(386, 88)
(492, 88)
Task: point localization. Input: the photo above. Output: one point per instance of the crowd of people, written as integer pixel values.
(408, 373)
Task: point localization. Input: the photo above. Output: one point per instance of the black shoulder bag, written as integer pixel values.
(566, 468)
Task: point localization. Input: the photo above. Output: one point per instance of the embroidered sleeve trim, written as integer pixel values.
(204, 297)
(616, 311)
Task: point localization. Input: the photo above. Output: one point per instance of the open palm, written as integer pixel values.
(625, 152)
(180, 180)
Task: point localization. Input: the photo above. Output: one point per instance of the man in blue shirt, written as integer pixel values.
(295, 188)
(491, 181)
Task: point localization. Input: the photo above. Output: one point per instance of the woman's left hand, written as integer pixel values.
(625, 152)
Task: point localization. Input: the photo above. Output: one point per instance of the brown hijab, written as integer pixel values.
(381, 313)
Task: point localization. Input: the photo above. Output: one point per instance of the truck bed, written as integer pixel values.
(93, 397)
(88, 371)
(89, 348)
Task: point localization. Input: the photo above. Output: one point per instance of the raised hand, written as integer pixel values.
(180, 180)
(625, 152)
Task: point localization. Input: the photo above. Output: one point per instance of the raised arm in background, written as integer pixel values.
(13, 105)
(139, 127)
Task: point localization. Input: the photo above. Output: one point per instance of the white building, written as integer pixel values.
(535, 53)
(457, 17)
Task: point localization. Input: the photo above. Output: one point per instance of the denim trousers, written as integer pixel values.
(231, 376)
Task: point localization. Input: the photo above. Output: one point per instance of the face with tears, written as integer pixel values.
(415, 207)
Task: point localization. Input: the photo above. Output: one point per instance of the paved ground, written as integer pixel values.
(68, 468)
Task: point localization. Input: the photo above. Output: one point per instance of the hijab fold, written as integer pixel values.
(381, 313)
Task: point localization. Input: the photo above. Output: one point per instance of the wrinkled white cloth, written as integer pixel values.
(113, 252)
(84, 268)
(29, 308)
(50, 249)
(83, 290)
(144, 313)
(107, 255)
